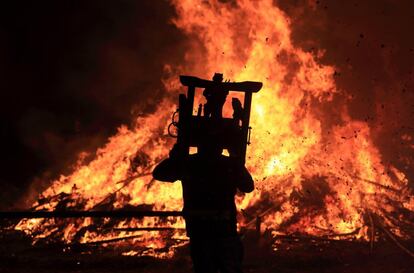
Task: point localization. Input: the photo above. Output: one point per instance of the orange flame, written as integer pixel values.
(311, 177)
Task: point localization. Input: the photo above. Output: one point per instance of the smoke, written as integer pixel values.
(73, 72)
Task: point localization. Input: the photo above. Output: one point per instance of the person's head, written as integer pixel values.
(218, 77)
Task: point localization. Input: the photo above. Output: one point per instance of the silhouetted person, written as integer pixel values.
(216, 97)
(238, 110)
(209, 181)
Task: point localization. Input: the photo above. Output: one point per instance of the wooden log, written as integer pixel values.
(372, 233)
(261, 215)
(79, 214)
(385, 187)
(327, 238)
(258, 225)
(147, 229)
(125, 183)
(396, 242)
(113, 240)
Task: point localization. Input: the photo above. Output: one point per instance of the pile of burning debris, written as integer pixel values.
(318, 181)
(141, 231)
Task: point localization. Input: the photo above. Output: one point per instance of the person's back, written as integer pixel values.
(210, 181)
(208, 192)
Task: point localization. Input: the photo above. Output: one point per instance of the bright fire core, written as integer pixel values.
(312, 176)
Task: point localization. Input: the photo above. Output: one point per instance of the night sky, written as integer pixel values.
(73, 71)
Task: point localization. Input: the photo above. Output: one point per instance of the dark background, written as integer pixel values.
(72, 71)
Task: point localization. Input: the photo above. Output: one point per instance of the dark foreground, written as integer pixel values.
(294, 254)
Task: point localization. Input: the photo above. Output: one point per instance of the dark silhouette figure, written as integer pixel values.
(216, 97)
(237, 109)
(209, 181)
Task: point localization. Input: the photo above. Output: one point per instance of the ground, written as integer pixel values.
(293, 254)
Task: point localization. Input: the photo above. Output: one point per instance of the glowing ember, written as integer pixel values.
(311, 177)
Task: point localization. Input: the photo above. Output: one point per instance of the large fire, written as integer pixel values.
(312, 176)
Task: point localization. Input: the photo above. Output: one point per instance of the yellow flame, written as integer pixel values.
(314, 178)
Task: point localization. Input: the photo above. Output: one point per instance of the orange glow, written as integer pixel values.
(316, 179)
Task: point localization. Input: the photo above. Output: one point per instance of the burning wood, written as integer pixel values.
(94, 214)
(372, 232)
(314, 177)
(146, 229)
(391, 236)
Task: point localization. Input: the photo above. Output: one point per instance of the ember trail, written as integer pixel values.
(313, 178)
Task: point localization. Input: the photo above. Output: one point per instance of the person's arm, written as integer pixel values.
(167, 171)
(170, 169)
(244, 180)
(241, 176)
